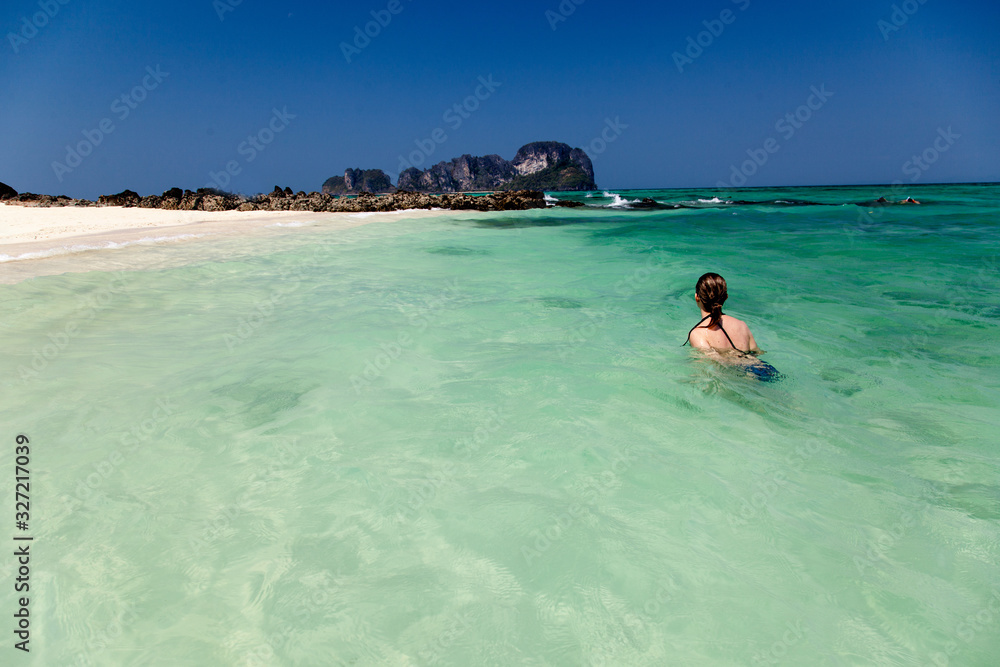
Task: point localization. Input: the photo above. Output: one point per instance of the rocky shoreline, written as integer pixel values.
(286, 200)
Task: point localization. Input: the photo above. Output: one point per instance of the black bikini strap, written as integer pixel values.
(692, 329)
(723, 331)
(730, 340)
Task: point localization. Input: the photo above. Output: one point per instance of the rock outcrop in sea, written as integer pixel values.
(356, 181)
(462, 174)
(207, 199)
(545, 165)
(549, 165)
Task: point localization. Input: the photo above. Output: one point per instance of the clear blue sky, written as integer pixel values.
(607, 60)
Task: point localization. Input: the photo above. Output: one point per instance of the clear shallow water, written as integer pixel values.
(476, 440)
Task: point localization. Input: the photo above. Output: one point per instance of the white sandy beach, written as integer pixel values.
(44, 241)
(29, 224)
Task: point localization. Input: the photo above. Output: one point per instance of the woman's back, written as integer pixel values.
(713, 337)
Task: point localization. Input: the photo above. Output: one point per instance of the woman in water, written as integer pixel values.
(724, 334)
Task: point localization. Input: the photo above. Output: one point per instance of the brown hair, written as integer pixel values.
(711, 291)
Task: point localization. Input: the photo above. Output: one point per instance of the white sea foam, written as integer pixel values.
(619, 201)
(107, 245)
(550, 200)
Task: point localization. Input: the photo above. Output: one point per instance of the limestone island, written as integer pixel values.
(470, 183)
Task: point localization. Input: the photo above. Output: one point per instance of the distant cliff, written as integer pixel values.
(356, 181)
(549, 165)
(543, 165)
(463, 174)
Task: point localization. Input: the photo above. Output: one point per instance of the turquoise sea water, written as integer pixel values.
(476, 440)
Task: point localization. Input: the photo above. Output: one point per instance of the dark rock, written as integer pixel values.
(213, 202)
(171, 199)
(189, 202)
(209, 199)
(649, 204)
(126, 198)
(46, 201)
(7, 192)
(569, 204)
(354, 181)
(278, 192)
(288, 192)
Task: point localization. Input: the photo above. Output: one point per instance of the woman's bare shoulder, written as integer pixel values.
(698, 338)
(739, 328)
(736, 324)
